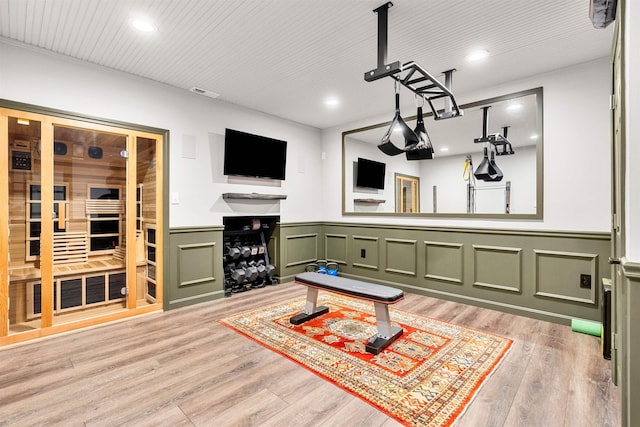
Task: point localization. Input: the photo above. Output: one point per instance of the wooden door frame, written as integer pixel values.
(48, 117)
(398, 196)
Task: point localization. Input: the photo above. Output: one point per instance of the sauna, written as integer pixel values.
(81, 225)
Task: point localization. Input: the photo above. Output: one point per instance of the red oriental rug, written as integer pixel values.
(426, 377)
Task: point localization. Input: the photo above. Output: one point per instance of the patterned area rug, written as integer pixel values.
(427, 377)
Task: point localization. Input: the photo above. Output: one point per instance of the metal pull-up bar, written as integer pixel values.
(411, 75)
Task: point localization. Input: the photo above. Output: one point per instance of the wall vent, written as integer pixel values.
(204, 92)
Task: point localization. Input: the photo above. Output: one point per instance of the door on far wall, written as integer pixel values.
(618, 306)
(407, 193)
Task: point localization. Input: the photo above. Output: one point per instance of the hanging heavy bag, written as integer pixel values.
(496, 173)
(386, 145)
(423, 150)
(482, 172)
(488, 170)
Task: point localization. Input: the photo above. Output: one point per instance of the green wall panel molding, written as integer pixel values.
(401, 256)
(336, 248)
(192, 266)
(365, 252)
(444, 262)
(630, 270)
(557, 275)
(298, 244)
(195, 270)
(300, 249)
(497, 268)
(490, 268)
(515, 271)
(589, 235)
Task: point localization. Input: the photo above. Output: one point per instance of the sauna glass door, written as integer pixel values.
(26, 197)
(81, 224)
(89, 236)
(147, 208)
(407, 193)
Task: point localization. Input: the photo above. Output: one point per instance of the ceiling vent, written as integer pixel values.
(204, 92)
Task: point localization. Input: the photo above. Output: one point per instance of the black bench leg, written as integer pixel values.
(386, 333)
(311, 310)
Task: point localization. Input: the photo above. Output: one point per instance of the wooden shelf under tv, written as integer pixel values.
(253, 196)
(372, 201)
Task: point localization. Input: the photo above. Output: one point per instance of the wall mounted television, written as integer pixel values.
(254, 156)
(370, 174)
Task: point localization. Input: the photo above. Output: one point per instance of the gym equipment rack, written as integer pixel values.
(411, 75)
(246, 259)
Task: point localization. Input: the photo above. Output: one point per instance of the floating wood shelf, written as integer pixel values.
(254, 196)
(369, 201)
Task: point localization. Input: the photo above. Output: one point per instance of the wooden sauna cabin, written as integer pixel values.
(81, 229)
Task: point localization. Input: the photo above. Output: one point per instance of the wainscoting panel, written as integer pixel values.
(335, 246)
(558, 275)
(195, 268)
(401, 256)
(493, 268)
(526, 272)
(364, 252)
(301, 249)
(299, 244)
(497, 267)
(444, 261)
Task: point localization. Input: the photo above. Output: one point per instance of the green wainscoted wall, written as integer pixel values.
(629, 339)
(298, 245)
(531, 273)
(195, 270)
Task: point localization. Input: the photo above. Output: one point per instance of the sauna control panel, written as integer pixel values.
(21, 160)
(20, 155)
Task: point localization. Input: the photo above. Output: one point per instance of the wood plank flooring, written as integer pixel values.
(182, 368)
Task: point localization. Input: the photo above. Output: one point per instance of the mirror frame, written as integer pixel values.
(538, 215)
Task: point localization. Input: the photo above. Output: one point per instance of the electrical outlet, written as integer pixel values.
(585, 281)
(363, 253)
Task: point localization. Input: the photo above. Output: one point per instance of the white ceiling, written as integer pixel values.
(285, 57)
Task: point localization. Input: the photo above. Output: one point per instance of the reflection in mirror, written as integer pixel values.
(450, 185)
(407, 193)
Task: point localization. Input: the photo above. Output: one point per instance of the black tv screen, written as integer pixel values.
(370, 174)
(255, 156)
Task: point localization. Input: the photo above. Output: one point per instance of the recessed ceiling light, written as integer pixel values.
(444, 149)
(205, 92)
(143, 26)
(477, 55)
(332, 102)
(534, 136)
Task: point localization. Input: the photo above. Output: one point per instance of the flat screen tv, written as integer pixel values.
(370, 174)
(254, 156)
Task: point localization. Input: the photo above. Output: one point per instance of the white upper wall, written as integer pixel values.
(632, 128)
(577, 170)
(196, 124)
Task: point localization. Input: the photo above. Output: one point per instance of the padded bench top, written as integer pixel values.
(351, 287)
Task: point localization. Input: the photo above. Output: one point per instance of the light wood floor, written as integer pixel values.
(182, 368)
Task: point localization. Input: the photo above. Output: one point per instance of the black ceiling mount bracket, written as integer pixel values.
(498, 140)
(411, 75)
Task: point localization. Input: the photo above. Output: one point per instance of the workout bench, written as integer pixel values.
(381, 296)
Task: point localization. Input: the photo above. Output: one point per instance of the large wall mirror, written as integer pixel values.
(447, 184)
